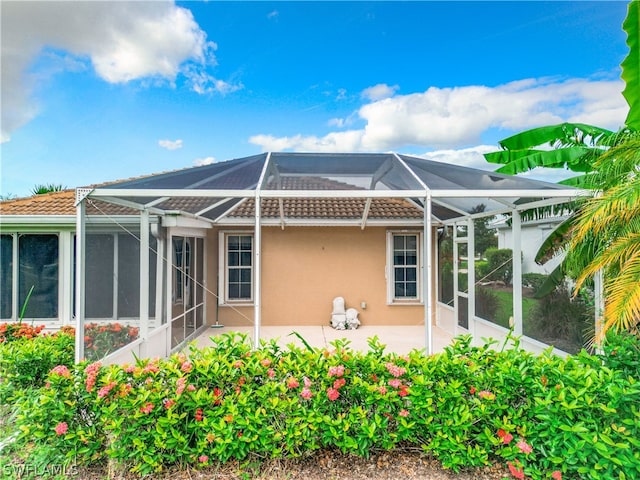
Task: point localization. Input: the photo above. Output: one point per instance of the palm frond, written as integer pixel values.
(622, 307)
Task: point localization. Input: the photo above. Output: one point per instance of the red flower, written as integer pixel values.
(147, 408)
(292, 382)
(516, 470)
(403, 413)
(507, 439)
(199, 415)
(472, 390)
(556, 475)
(404, 391)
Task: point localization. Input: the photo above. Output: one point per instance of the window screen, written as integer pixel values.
(6, 275)
(405, 266)
(239, 267)
(38, 268)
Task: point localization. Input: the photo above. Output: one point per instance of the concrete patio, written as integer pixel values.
(398, 339)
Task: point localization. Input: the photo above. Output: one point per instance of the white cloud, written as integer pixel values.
(198, 162)
(123, 41)
(203, 83)
(273, 14)
(170, 144)
(379, 92)
(442, 118)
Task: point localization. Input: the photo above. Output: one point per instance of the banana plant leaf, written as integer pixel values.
(576, 158)
(631, 66)
(566, 133)
(556, 239)
(554, 279)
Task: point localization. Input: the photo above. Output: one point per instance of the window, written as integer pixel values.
(238, 267)
(404, 281)
(37, 276)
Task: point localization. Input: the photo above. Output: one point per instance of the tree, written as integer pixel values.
(48, 188)
(603, 234)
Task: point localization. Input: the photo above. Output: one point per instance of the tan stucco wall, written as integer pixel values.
(304, 268)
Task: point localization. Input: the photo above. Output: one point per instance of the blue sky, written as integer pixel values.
(99, 91)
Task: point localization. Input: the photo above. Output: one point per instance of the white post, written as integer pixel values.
(471, 278)
(257, 274)
(144, 274)
(80, 278)
(599, 308)
(427, 275)
(517, 272)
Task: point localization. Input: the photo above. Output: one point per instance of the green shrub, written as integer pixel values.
(533, 280)
(487, 304)
(499, 265)
(25, 362)
(467, 406)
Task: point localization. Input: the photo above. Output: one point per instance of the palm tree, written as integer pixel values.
(606, 236)
(48, 188)
(604, 232)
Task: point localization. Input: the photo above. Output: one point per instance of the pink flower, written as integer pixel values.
(182, 383)
(403, 413)
(61, 428)
(306, 393)
(271, 373)
(395, 370)
(61, 370)
(191, 387)
(169, 403)
(556, 475)
(238, 364)
(333, 394)
(507, 438)
(104, 391)
(307, 382)
(203, 459)
(186, 367)
(516, 470)
(292, 382)
(395, 382)
(265, 362)
(336, 371)
(382, 390)
(129, 368)
(524, 447)
(147, 408)
(486, 395)
(339, 383)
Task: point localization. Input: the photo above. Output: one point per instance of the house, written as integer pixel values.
(177, 251)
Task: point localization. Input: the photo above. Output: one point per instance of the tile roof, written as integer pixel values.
(62, 203)
(330, 208)
(58, 203)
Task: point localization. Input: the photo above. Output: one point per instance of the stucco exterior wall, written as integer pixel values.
(305, 268)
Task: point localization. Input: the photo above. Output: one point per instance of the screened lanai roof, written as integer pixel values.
(226, 190)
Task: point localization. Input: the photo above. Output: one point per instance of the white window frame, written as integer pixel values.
(391, 298)
(223, 269)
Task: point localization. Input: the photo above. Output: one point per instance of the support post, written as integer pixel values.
(517, 272)
(144, 275)
(80, 278)
(257, 273)
(471, 278)
(599, 308)
(427, 267)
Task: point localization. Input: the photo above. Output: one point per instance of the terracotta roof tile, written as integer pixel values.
(58, 203)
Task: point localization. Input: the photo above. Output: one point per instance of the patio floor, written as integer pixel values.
(398, 339)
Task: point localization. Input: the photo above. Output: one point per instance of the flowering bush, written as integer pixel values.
(540, 416)
(13, 331)
(104, 338)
